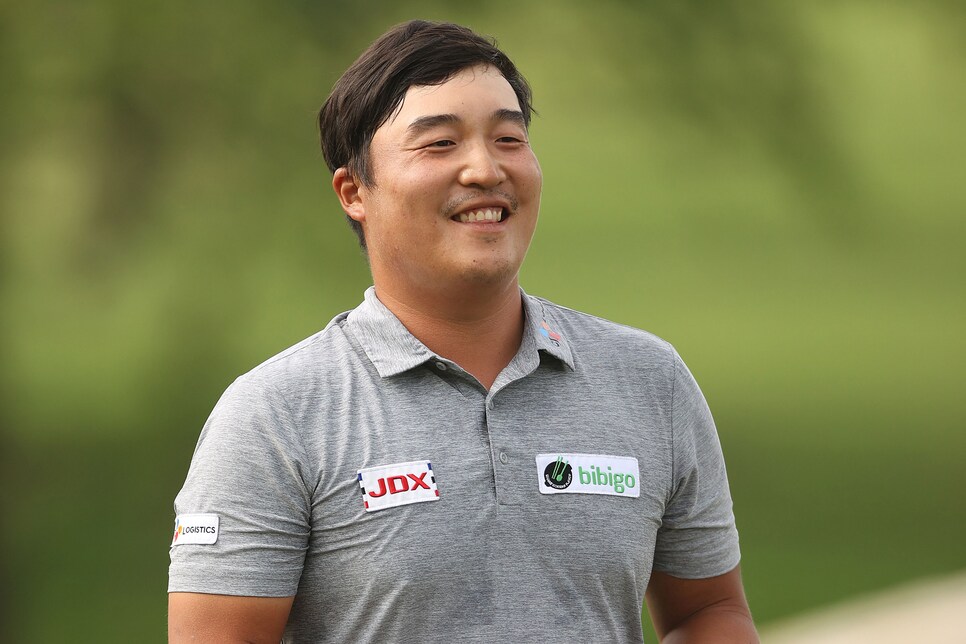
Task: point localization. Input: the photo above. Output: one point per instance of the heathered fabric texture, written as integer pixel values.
(492, 559)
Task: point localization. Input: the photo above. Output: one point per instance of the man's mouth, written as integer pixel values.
(483, 215)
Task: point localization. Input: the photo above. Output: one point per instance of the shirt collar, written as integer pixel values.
(393, 349)
(389, 345)
(542, 328)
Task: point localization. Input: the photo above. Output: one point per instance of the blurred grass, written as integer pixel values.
(775, 189)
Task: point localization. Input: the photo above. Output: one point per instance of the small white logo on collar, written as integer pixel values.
(562, 473)
(200, 529)
(389, 486)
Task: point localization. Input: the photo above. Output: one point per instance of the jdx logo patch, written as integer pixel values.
(588, 474)
(388, 486)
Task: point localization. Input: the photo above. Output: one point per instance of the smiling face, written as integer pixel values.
(456, 188)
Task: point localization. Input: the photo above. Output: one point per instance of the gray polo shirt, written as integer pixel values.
(399, 501)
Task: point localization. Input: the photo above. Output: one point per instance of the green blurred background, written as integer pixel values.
(776, 188)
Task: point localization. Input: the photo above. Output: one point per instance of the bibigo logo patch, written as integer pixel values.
(588, 474)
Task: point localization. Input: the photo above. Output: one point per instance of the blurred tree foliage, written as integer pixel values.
(776, 188)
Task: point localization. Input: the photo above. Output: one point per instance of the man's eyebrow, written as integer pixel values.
(423, 123)
(514, 116)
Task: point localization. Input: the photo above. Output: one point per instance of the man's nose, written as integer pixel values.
(482, 168)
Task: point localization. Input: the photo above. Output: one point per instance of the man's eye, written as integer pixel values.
(441, 144)
(509, 139)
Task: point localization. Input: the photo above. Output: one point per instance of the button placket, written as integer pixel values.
(503, 464)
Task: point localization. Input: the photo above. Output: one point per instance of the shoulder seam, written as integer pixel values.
(674, 382)
(553, 305)
(299, 346)
(297, 435)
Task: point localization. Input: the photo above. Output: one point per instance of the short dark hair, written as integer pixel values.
(417, 52)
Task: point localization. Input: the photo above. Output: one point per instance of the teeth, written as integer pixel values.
(487, 214)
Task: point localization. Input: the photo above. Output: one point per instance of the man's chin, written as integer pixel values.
(488, 273)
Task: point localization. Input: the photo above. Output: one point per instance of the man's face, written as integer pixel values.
(456, 187)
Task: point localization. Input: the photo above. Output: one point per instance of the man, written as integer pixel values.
(454, 460)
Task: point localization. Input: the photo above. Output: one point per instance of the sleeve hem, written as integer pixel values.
(241, 583)
(701, 571)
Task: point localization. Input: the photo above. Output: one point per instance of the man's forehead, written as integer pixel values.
(420, 99)
(464, 76)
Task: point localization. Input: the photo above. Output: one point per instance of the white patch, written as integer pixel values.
(195, 528)
(561, 473)
(388, 486)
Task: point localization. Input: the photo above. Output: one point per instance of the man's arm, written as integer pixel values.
(700, 610)
(224, 619)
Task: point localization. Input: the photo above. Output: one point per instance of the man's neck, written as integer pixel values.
(480, 329)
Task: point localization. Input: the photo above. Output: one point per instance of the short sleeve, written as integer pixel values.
(698, 537)
(248, 469)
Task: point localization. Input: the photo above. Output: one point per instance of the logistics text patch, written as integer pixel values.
(388, 486)
(562, 473)
(195, 528)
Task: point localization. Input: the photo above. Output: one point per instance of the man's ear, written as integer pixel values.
(348, 189)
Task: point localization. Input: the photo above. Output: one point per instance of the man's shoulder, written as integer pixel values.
(306, 359)
(603, 334)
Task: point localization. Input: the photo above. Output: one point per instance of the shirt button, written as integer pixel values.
(441, 366)
(504, 458)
